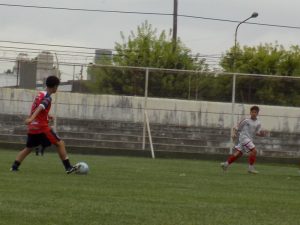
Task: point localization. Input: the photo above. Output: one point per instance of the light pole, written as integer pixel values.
(254, 15)
(174, 38)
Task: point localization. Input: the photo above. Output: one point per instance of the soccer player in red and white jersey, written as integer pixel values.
(39, 131)
(245, 132)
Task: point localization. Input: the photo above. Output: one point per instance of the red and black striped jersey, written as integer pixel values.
(40, 123)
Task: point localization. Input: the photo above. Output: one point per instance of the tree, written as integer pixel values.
(144, 48)
(263, 59)
(268, 59)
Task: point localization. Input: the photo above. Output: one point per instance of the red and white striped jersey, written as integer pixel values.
(248, 128)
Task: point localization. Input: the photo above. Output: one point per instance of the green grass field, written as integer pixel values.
(141, 191)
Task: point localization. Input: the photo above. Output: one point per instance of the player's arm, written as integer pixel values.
(43, 105)
(34, 115)
(50, 118)
(261, 132)
(237, 129)
(234, 133)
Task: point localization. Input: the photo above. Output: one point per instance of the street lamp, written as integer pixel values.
(254, 15)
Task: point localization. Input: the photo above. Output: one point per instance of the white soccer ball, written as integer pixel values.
(82, 168)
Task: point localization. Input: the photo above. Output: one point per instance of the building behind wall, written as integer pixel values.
(45, 68)
(31, 73)
(28, 74)
(22, 57)
(102, 56)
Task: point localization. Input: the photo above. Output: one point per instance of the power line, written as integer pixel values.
(85, 10)
(78, 53)
(236, 21)
(36, 50)
(53, 45)
(71, 57)
(68, 46)
(143, 13)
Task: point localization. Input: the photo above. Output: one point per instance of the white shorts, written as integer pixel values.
(245, 146)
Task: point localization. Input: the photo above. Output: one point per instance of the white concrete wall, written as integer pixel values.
(163, 111)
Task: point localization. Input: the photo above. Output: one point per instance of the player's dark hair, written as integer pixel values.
(255, 107)
(52, 81)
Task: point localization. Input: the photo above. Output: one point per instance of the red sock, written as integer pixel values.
(251, 159)
(232, 158)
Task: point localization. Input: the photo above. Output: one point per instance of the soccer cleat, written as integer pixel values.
(72, 169)
(253, 171)
(13, 169)
(224, 166)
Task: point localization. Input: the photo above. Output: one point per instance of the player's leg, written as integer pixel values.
(32, 141)
(237, 154)
(19, 158)
(64, 157)
(250, 148)
(44, 144)
(37, 151)
(52, 137)
(42, 150)
(251, 161)
(61, 150)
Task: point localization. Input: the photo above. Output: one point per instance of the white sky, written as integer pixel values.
(102, 30)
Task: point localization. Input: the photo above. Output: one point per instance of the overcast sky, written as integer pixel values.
(102, 30)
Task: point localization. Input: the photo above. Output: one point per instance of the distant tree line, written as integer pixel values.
(145, 48)
(268, 59)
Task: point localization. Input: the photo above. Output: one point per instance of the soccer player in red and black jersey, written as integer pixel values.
(39, 131)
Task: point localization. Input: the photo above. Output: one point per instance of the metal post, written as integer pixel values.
(18, 74)
(254, 15)
(150, 137)
(196, 94)
(189, 94)
(145, 107)
(232, 109)
(56, 95)
(175, 12)
(73, 74)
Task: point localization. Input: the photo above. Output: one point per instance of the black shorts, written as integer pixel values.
(44, 139)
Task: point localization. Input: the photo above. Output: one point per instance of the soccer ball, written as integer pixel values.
(82, 168)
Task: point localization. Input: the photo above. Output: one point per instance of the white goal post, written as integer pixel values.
(146, 119)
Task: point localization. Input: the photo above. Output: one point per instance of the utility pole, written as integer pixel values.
(73, 73)
(81, 78)
(175, 12)
(18, 73)
(81, 71)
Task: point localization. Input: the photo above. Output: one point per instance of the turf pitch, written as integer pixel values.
(142, 191)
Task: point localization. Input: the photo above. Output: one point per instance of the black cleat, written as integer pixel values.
(71, 169)
(12, 169)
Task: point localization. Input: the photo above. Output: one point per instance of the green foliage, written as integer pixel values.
(268, 59)
(215, 88)
(146, 48)
(262, 59)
